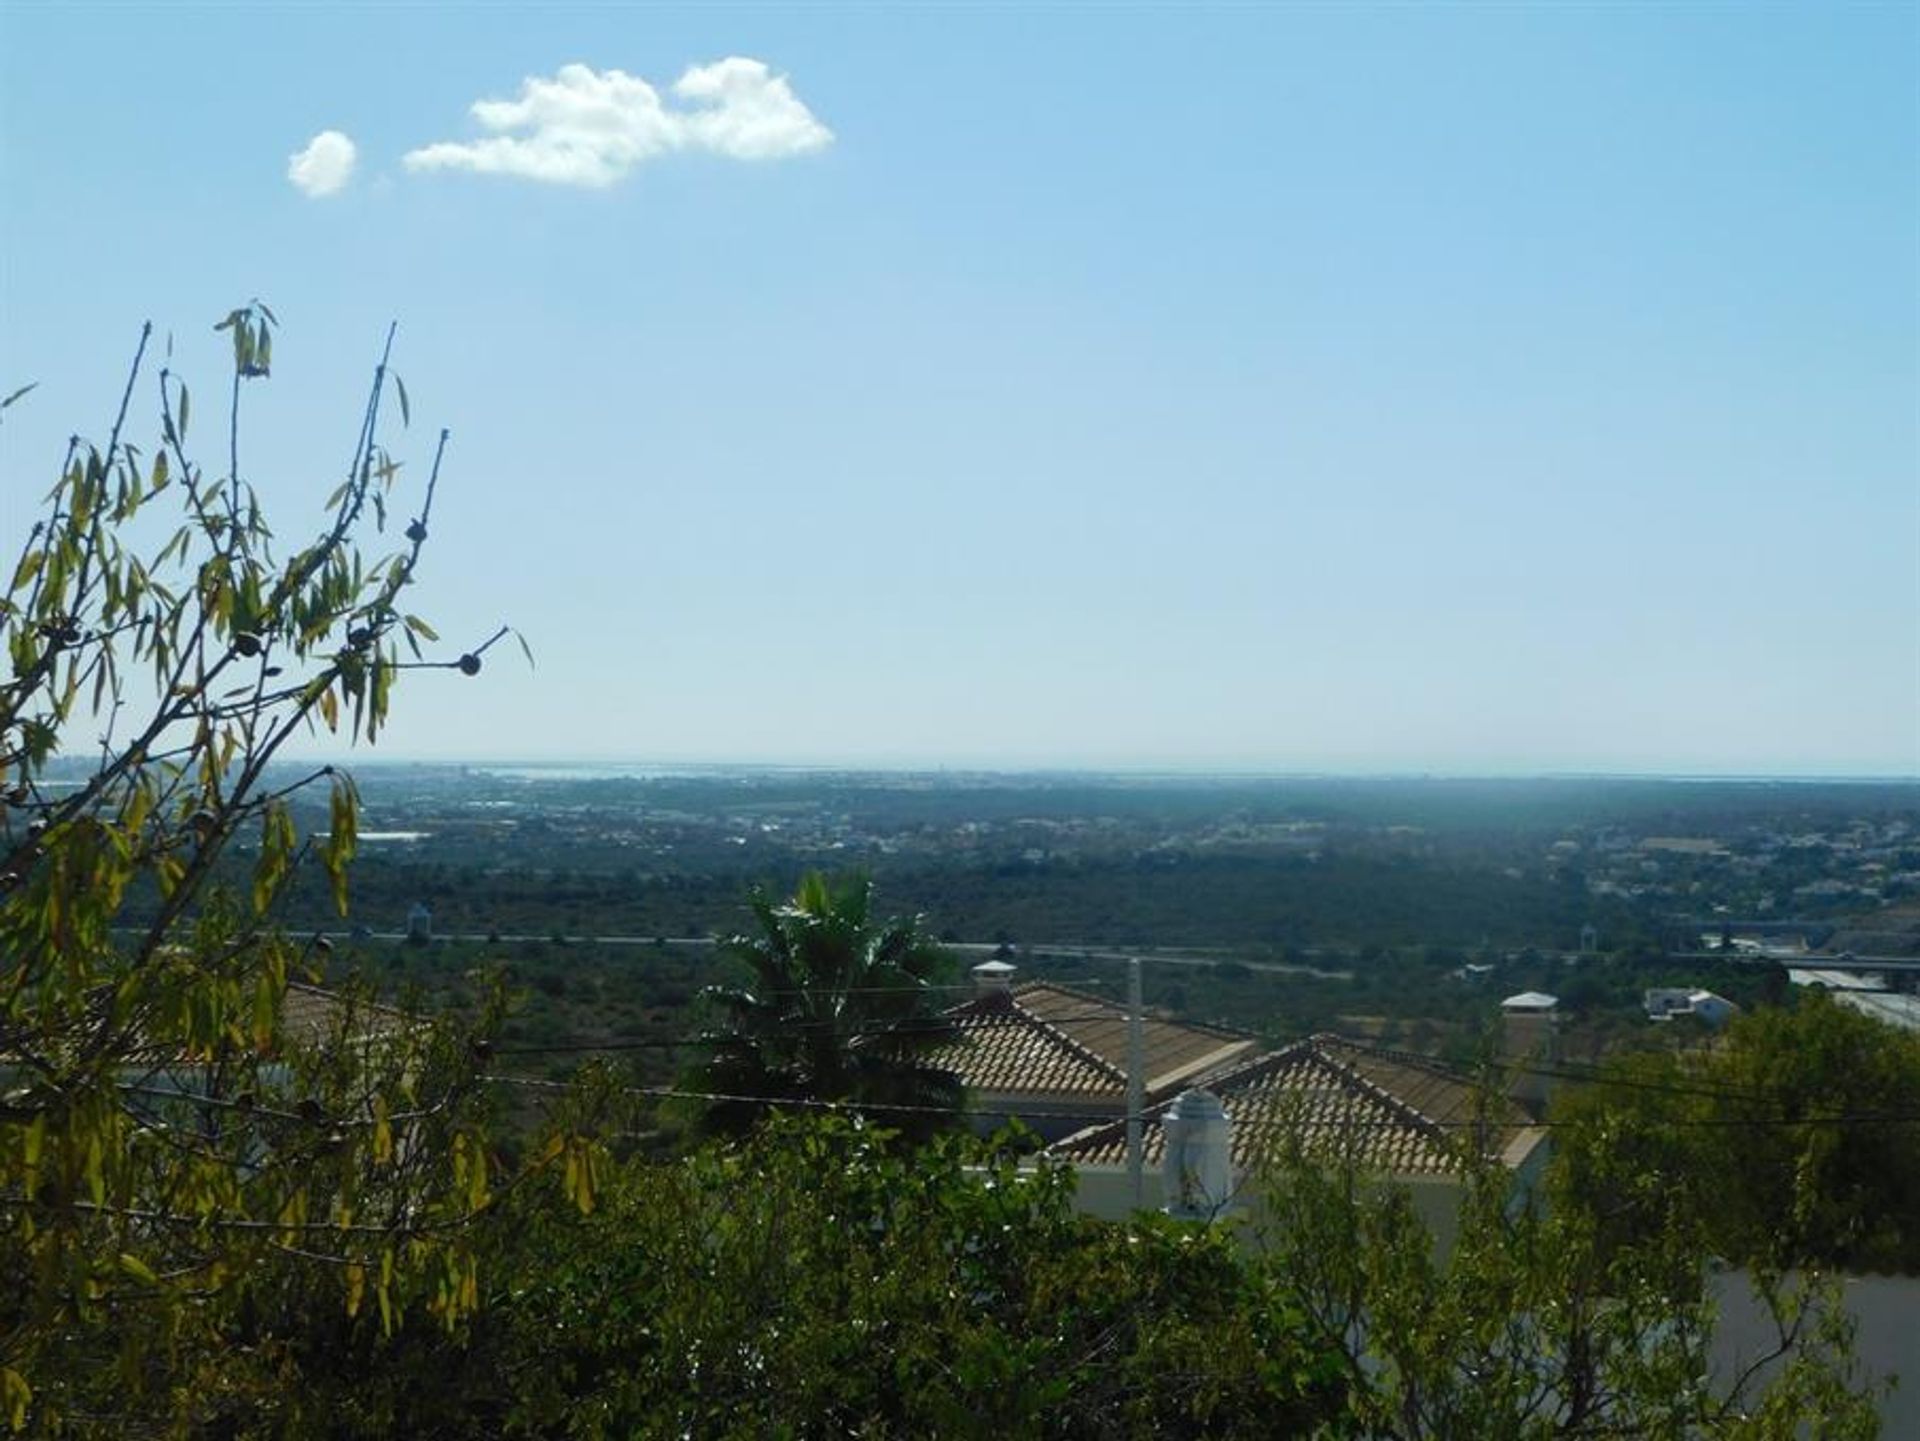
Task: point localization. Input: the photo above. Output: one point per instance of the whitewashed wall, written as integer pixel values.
(1886, 1314)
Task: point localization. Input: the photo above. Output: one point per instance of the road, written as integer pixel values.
(972, 948)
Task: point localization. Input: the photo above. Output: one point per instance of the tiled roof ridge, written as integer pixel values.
(1432, 1065)
(1009, 1003)
(1445, 1070)
(1217, 1084)
(1084, 1053)
(1214, 1027)
(1318, 1054)
(1222, 1081)
(981, 1004)
(1313, 1050)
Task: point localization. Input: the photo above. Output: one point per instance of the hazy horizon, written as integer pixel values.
(1142, 771)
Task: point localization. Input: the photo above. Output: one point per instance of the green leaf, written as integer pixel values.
(420, 628)
(342, 838)
(277, 842)
(184, 407)
(32, 1145)
(29, 567)
(525, 649)
(406, 410)
(94, 1169)
(17, 1395)
(265, 1006)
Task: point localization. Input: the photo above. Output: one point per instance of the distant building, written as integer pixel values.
(1663, 1003)
(1530, 1026)
(419, 924)
(1714, 1009)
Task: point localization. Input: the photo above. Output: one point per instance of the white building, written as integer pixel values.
(1663, 1003)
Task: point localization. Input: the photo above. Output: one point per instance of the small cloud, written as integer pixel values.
(747, 112)
(591, 127)
(325, 166)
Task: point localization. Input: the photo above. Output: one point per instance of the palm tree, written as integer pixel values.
(838, 1009)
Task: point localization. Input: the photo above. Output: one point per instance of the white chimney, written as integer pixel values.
(993, 978)
(1197, 1170)
(1530, 1045)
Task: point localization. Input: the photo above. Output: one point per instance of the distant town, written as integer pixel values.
(1379, 907)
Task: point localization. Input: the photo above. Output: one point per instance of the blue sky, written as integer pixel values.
(1480, 389)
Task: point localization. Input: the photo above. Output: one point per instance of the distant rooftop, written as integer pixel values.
(1530, 1001)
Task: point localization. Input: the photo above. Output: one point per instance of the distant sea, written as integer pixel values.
(659, 770)
(624, 770)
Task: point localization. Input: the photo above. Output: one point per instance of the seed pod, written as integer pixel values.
(417, 531)
(247, 643)
(469, 664)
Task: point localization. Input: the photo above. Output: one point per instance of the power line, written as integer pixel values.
(941, 1029)
(936, 1027)
(1151, 1112)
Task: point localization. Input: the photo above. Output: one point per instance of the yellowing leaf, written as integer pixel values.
(382, 1132)
(17, 1395)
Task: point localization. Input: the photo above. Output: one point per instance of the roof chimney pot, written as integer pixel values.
(993, 978)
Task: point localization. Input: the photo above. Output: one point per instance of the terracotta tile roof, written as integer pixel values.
(1043, 1039)
(1404, 1115)
(311, 1016)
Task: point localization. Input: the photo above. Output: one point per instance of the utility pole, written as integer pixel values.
(1136, 1080)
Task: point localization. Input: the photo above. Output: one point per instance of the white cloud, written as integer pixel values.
(746, 111)
(590, 127)
(325, 166)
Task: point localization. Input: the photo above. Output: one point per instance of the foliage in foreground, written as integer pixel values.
(1797, 1136)
(1540, 1321)
(817, 1281)
(166, 1137)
